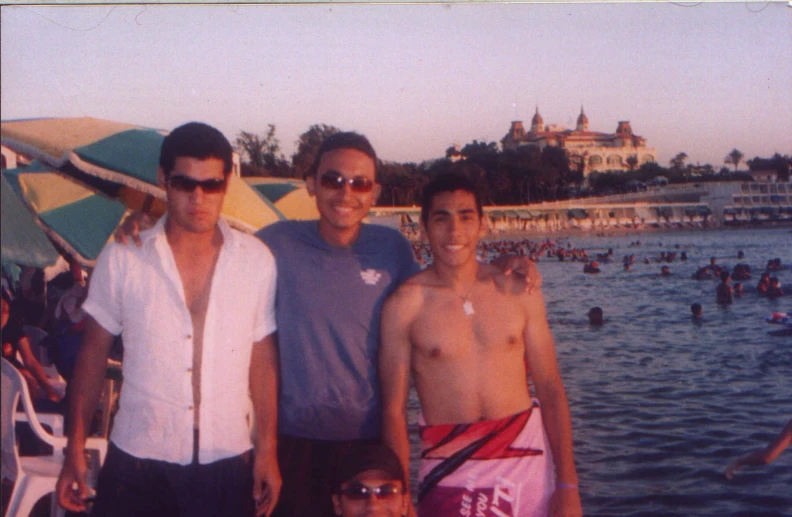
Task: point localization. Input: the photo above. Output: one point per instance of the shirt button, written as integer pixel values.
(189, 370)
(190, 408)
(189, 336)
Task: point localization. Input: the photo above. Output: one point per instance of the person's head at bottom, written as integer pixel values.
(370, 482)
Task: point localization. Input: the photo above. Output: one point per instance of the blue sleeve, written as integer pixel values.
(408, 266)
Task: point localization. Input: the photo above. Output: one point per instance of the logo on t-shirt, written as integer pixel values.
(370, 276)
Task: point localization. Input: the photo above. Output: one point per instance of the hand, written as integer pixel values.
(131, 227)
(522, 266)
(71, 488)
(52, 393)
(751, 459)
(267, 482)
(565, 503)
(733, 468)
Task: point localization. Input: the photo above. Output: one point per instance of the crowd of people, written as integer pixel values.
(767, 286)
(42, 327)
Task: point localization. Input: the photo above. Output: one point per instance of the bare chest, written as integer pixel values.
(196, 274)
(452, 327)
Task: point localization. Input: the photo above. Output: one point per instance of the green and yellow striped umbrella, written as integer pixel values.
(23, 240)
(121, 161)
(289, 196)
(77, 218)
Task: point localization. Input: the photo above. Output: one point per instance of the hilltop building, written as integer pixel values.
(589, 149)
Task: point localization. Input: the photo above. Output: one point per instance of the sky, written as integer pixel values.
(695, 78)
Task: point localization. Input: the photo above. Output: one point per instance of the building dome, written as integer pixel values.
(537, 118)
(537, 124)
(582, 121)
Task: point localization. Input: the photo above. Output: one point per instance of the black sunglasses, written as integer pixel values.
(335, 180)
(186, 184)
(361, 492)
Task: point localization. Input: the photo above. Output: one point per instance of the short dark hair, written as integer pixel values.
(449, 182)
(725, 276)
(195, 140)
(695, 308)
(345, 140)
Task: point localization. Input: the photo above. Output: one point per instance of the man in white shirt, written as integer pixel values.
(195, 306)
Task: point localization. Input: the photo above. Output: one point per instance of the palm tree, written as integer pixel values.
(678, 161)
(734, 158)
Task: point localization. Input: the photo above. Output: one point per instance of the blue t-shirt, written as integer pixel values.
(328, 312)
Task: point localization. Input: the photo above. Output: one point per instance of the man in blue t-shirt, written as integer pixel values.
(333, 276)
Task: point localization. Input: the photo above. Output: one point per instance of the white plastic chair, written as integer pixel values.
(33, 476)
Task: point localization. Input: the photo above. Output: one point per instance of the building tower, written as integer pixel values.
(537, 124)
(582, 121)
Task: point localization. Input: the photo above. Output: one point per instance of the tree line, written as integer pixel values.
(518, 176)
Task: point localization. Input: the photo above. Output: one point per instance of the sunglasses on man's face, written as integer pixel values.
(335, 180)
(361, 492)
(186, 184)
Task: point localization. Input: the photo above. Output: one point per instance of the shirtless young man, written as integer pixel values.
(468, 334)
(195, 304)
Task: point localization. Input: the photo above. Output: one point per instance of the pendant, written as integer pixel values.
(468, 308)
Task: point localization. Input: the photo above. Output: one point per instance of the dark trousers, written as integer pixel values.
(134, 487)
(308, 468)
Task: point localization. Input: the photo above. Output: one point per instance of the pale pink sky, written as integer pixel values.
(701, 79)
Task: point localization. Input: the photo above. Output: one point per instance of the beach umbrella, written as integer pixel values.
(23, 241)
(121, 161)
(289, 196)
(77, 218)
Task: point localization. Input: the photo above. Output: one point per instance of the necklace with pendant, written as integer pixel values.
(467, 305)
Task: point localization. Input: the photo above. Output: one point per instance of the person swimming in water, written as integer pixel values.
(774, 290)
(724, 291)
(764, 284)
(592, 267)
(714, 267)
(741, 272)
(696, 310)
(595, 316)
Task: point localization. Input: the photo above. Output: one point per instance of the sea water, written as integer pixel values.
(660, 402)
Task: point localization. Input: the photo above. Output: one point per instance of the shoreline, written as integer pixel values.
(568, 233)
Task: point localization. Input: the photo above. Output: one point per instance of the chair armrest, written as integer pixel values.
(53, 420)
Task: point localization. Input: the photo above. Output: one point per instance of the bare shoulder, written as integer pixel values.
(408, 298)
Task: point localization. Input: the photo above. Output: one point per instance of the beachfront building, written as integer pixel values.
(589, 150)
(765, 176)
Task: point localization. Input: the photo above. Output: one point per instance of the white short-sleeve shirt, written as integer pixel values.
(138, 293)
